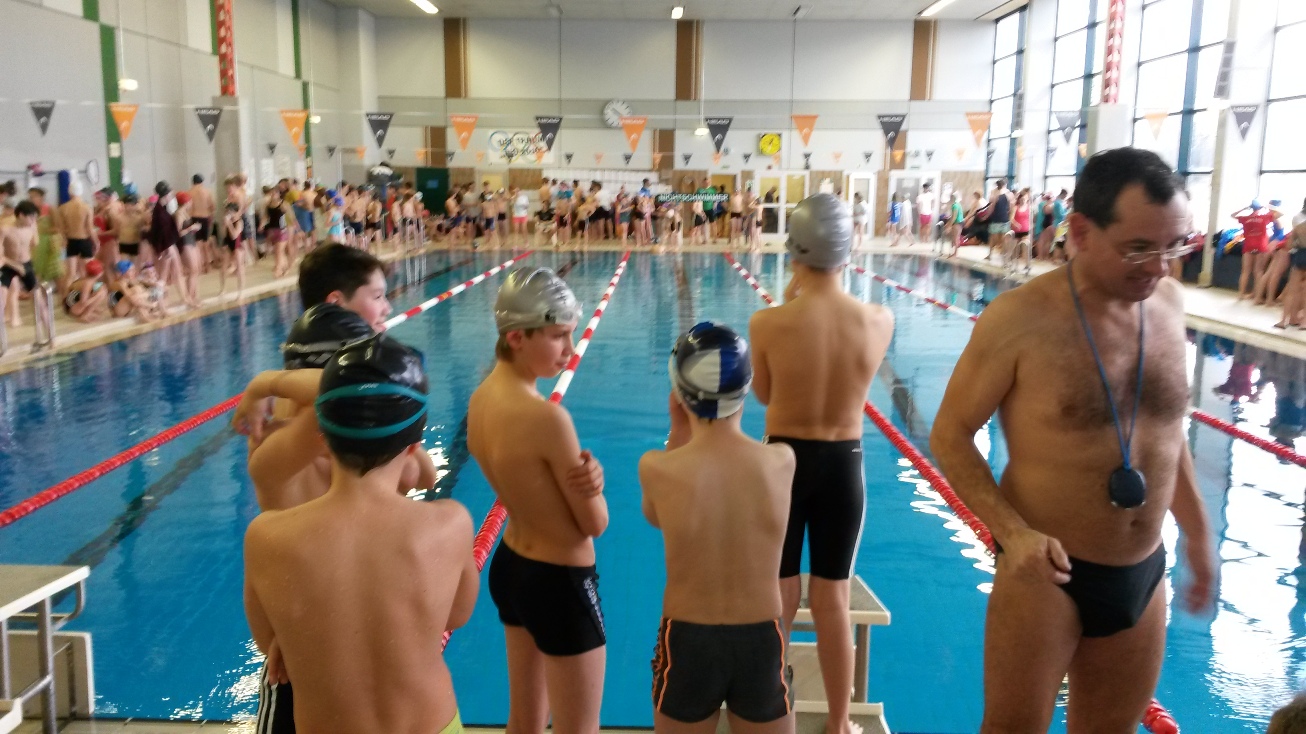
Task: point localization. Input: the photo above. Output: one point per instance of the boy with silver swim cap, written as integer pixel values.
(375, 662)
(543, 577)
(721, 500)
(813, 360)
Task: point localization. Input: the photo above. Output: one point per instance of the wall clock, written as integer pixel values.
(613, 112)
(768, 144)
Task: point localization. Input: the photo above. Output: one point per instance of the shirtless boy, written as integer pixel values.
(75, 222)
(813, 362)
(542, 578)
(1096, 458)
(202, 210)
(16, 270)
(375, 662)
(721, 500)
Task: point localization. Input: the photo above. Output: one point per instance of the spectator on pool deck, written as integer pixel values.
(74, 220)
(87, 298)
(17, 244)
(1255, 221)
(1294, 296)
(375, 663)
(927, 207)
(721, 500)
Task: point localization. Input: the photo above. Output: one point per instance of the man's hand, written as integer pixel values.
(276, 666)
(1037, 556)
(1200, 594)
(586, 480)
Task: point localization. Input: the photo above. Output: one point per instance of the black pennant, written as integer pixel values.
(1067, 122)
(717, 127)
(272, 148)
(686, 157)
(627, 157)
(747, 156)
(807, 161)
(448, 157)
(390, 153)
(568, 156)
(989, 155)
(331, 151)
(43, 111)
(891, 125)
(548, 129)
(1243, 114)
(866, 156)
(380, 124)
(208, 117)
(929, 155)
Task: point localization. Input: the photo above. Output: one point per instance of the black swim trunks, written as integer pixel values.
(1112, 599)
(697, 667)
(79, 248)
(131, 249)
(206, 228)
(27, 277)
(276, 707)
(558, 605)
(828, 502)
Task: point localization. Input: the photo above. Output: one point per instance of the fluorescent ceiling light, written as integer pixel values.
(677, 12)
(128, 85)
(426, 6)
(315, 119)
(932, 10)
(701, 132)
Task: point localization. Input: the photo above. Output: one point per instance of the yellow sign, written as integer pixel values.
(768, 144)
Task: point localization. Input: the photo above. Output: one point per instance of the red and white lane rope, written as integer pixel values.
(489, 531)
(83, 478)
(1283, 452)
(426, 305)
(1157, 720)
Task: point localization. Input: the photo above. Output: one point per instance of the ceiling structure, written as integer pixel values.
(694, 9)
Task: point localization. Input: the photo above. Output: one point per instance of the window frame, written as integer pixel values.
(1017, 97)
(1270, 102)
(1096, 20)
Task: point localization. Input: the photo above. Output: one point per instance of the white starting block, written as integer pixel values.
(865, 611)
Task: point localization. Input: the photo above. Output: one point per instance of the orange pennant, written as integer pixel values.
(463, 125)
(1157, 121)
(360, 151)
(539, 155)
(420, 153)
(1020, 152)
(124, 114)
(979, 124)
(897, 156)
(805, 125)
(480, 156)
(633, 128)
(598, 159)
(775, 159)
(837, 156)
(294, 121)
(657, 161)
(716, 159)
(961, 154)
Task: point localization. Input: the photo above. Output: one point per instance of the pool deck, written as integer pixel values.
(1213, 310)
(117, 726)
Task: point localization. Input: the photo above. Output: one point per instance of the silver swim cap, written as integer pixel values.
(820, 232)
(532, 298)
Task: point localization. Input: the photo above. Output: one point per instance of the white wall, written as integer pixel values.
(963, 60)
(513, 59)
(410, 57)
(747, 60)
(608, 59)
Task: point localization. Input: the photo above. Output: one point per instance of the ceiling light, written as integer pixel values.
(426, 6)
(701, 132)
(314, 119)
(677, 12)
(128, 85)
(932, 10)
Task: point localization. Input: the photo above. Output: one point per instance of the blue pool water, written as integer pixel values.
(164, 534)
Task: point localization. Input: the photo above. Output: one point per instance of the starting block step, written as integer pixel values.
(811, 718)
(864, 607)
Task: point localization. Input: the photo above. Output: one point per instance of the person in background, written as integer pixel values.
(87, 299)
(1255, 221)
(233, 235)
(1294, 296)
(17, 244)
(187, 228)
(999, 218)
(1021, 215)
(1267, 290)
(106, 204)
(621, 207)
(894, 220)
(521, 211)
(860, 216)
(130, 297)
(955, 217)
(927, 208)
(202, 209)
(75, 222)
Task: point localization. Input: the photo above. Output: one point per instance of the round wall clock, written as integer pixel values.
(768, 144)
(613, 112)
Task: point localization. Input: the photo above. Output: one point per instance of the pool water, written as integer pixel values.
(163, 534)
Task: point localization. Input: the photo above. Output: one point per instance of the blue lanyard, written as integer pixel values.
(1126, 442)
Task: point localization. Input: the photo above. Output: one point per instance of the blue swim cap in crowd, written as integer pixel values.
(710, 370)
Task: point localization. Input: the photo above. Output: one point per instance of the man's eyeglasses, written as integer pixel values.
(1142, 258)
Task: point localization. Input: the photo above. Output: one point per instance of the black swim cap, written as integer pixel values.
(371, 404)
(317, 335)
(162, 188)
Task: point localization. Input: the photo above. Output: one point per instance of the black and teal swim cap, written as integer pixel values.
(372, 399)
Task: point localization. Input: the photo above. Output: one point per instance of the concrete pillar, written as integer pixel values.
(233, 141)
(1109, 126)
(356, 31)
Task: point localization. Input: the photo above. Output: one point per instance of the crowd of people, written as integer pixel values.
(1273, 271)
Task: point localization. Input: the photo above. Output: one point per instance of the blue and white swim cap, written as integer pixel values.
(710, 370)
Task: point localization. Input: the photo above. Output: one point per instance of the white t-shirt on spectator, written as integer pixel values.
(927, 203)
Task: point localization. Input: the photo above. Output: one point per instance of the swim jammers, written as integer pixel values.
(79, 248)
(276, 707)
(697, 667)
(828, 502)
(27, 277)
(558, 605)
(1112, 599)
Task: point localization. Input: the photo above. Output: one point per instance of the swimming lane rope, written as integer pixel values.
(497, 516)
(81, 479)
(1156, 719)
(1283, 452)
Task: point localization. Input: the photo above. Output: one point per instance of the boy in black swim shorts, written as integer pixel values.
(721, 499)
(16, 269)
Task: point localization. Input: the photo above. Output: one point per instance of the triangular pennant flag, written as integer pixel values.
(380, 124)
(360, 151)
(988, 154)
(866, 156)
(657, 161)
(929, 156)
(208, 117)
(463, 125)
(892, 126)
(598, 159)
(1067, 122)
(747, 157)
(686, 157)
(633, 128)
(717, 127)
(805, 124)
(448, 157)
(626, 157)
(480, 156)
(1243, 114)
(979, 124)
(837, 156)
(1051, 153)
(294, 121)
(568, 157)
(1157, 121)
(124, 113)
(539, 155)
(897, 156)
(331, 151)
(548, 130)
(272, 148)
(807, 161)
(390, 153)
(43, 110)
(418, 153)
(716, 159)
(961, 154)
(775, 160)
(1083, 150)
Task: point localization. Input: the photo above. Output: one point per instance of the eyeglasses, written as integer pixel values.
(1142, 258)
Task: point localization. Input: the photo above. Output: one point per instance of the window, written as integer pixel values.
(1006, 127)
(1079, 55)
(1283, 156)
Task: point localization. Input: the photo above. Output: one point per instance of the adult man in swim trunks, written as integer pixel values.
(813, 362)
(721, 500)
(75, 221)
(374, 663)
(16, 269)
(1077, 587)
(542, 578)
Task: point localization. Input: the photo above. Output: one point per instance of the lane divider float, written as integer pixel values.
(82, 478)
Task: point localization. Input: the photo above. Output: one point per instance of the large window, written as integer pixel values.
(1077, 61)
(1283, 160)
(1007, 99)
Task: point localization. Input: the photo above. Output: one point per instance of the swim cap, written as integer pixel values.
(123, 266)
(162, 188)
(372, 399)
(94, 268)
(820, 232)
(319, 333)
(1276, 202)
(1256, 203)
(74, 187)
(183, 198)
(710, 370)
(532, 298)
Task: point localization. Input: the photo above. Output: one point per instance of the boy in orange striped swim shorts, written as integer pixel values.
(721, 499)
